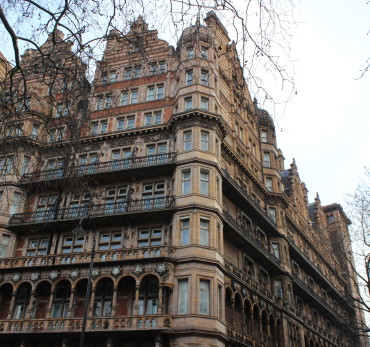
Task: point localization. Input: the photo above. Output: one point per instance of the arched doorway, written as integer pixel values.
(125, 296)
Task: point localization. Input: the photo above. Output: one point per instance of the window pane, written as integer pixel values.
(204, 297)
(183, 297)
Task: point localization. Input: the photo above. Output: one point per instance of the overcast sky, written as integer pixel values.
(326, 127)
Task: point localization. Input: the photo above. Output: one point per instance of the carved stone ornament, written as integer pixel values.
(16, 277)
(263, 303)
(116, 271)
(35, 276)
(95, 272)
(74, 273)
(54, 275)
(162, 270)
(138, 269)
(254, 298)
(236, 285)
(244, 291)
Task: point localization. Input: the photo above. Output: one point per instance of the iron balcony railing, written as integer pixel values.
(100, 167)
(245, 195)
(142, 205)
(244, 232)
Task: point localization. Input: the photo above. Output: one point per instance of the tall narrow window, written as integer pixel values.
(204, 140)
(269, 184)
(204, 77)
(134, 96)
(204, 103)
(266, 159)
(204, 232)
(188, 143)
(185, 232)
(4, 243)
(275, 249)
(204, 182)
(183, 296)
(190, 52)
(263, 136)
(189, 77)
(272, 213)
(186, 182)
(25, 164)
(14, 204)
(204, 297)
(188, 103)
(204, 52)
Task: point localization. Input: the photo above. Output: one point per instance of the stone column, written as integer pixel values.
(136, 304)
(11, 306)
(160, 299)
(70, 305)
(50, 305)
(30, 305)
(114, 301)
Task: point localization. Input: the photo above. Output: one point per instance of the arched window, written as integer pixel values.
(125, 296)
(21, 301)
(61, 300)
(42, 296)
(103, 298)
(5, 299)
(148, 295)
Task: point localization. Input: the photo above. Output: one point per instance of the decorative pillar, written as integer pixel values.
(64, 343)
(114, 301)
(30, 305)
(158, 341)
(233, 311)
(136, 304)
(91, 303)
(109, 342)
(260, 326)
(70, 305)
(50, 305)
(160, 299)
(243, 318)
(268, 332)
(11, 306)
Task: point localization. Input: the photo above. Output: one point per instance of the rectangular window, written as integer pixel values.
(112, 76)
(99, 127)
(189, 77)
(204, 52)
(272, 213)
(150, 237)
(204, 182)
(190, 52)
(126, 122)
(263, 136)
(188, 143)
(204, 297)
(14, 204)
(275, 249)
(6, 165)
(137, 71)
(185, 232)
(128, 73)
(104, 102)
(155, 92)
(104, 77)
(204, 74)
(204, 232)
(25, 164)
(204, 140)
(4, 243)
(188, 103)
(183, 296)
(37, 246)
(35, 131)
(134, 96)
(56, 134)
(71, 244)
(186, 182)
(110, 240)
(151, 118)
(266, 159)
(269, 184)
(204, 103)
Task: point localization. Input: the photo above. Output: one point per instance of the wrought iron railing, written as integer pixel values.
(244, 193)
(244, 232)
(100, 167)
(128, 206)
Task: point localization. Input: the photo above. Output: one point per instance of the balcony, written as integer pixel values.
(66, 325)
(246, 203)
(101, 210)
(243, 338)
(251, 284)
(100, 168)
(257, 245)
(122, 254)
(317, 273)
(323, 304)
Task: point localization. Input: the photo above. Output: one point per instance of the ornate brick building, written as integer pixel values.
(203, 237)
